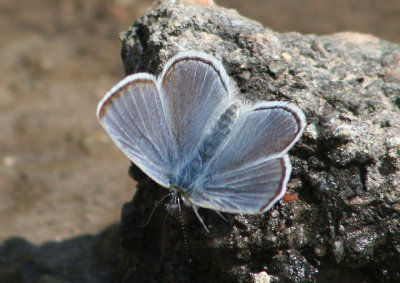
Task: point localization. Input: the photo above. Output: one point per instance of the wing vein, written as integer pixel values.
(112, 116)
(151, 125)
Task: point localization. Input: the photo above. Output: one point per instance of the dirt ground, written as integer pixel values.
(60, 175)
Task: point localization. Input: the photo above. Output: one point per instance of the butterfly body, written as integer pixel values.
(189, 132)
(187, 173)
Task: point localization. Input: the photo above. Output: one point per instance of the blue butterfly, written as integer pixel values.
(189, 132)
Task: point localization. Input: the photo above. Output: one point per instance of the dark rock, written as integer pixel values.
(346, 224)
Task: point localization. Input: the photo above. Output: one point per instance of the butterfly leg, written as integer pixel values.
(199, 217)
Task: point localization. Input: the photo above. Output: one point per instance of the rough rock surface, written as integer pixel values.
(341, 219)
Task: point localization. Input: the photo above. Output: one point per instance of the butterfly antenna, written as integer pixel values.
(154, 209)
(200, 219)
(185, 240)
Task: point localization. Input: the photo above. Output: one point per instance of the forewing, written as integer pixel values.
(132, 114)
(251, 171)
(195, 89)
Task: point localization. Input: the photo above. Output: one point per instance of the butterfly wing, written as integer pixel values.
(251, 170)
(160, 124)
(133, 115)
(195, 89)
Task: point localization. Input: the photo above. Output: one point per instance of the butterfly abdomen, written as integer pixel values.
(189, 172)
(218, 134)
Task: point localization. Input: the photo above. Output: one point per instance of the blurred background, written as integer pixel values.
(60, 175)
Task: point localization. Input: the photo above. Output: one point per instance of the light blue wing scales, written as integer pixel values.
(196, 92)
(251, 170)
(249, 193)
(132, 113)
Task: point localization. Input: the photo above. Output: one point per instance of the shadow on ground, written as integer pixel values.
(86, 258)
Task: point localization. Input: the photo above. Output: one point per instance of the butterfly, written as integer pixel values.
(188, 130)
